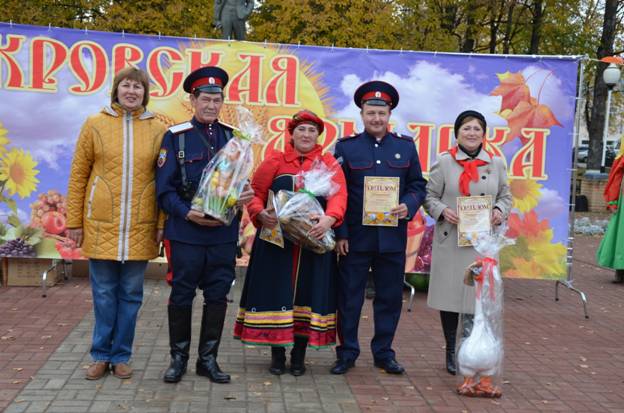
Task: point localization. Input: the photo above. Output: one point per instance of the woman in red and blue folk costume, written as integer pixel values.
(289, 294)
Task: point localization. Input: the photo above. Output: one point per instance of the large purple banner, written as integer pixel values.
(52, 79)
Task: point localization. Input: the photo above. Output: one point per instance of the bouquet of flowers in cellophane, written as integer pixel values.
(225, 176)
(297, 211)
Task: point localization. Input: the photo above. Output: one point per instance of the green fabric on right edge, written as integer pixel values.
(610, 253)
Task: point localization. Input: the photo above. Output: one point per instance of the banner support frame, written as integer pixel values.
(569, 280)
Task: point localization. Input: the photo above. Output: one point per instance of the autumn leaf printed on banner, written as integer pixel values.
(534, 254)
(530, 115)
(528, 226)
(513, 89)
(519, 108)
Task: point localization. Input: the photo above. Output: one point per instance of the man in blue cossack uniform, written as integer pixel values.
(202, 249)
(375, 153)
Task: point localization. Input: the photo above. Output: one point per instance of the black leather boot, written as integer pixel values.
(179, 342)
(278, 361)
(449, 327)
(213, 315)
(450, 358)
(619, 277)
(297, 356)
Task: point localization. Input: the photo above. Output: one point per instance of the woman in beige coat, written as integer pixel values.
(466, 169)
(112, 214)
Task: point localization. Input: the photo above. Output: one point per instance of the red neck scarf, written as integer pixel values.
(487, 270)
(470, 170)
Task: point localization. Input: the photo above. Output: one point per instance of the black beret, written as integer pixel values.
(464, 115)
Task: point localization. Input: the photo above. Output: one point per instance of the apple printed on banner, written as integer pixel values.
(48, 214)
(53, 222)
(67, 249)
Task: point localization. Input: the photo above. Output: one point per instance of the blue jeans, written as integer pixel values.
(117, 296)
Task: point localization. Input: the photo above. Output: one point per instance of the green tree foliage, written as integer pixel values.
(345, 23)
(426, 25)
(595, 125)
(188, 18)
(479, 26)
(58, 13)
(501, 26)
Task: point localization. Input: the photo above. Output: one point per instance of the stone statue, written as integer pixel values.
(230, 17)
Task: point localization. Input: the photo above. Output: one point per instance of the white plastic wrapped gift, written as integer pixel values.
(225, 176)
(481, 351)
(297, 211)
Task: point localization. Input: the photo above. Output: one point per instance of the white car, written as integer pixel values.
(582, 153)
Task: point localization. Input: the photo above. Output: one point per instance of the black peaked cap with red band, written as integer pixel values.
(376, 93)
(209, 79)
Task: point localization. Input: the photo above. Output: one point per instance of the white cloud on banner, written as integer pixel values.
(547, 87)
(551, 204)
(23, 216)
(429, 93)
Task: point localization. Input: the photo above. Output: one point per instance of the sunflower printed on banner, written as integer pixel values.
(18, 176)
(18, 173)
(526, 194)
(4, 140)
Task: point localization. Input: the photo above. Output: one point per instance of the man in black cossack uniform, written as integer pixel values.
(202, 249)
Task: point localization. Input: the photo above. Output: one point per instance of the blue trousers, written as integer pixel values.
(388, 272)
(117, 289)
(207, 267)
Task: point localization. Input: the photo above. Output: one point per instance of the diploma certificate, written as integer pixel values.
(474, 217)
(381, 194)
(273, 235)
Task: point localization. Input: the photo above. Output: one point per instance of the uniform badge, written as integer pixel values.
(339, 160)
(397, 155)
(211, 80)
(162, 158)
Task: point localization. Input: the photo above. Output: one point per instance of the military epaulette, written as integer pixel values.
(181, 127)
(405, 137)
(227, 125)
(354, 135)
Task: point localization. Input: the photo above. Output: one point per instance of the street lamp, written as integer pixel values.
(610, 76)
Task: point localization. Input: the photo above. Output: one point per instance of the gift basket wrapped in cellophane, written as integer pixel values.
(299, 211)
(480, 351)
(225, 176)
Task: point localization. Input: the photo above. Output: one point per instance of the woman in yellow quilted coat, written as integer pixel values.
(112, 213)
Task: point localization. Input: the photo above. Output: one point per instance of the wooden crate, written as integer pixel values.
(26, 272)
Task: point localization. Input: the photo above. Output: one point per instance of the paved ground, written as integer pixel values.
(556, 360)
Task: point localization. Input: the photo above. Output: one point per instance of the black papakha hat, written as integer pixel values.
(376, 93)
(209, 79)
(464, 115)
